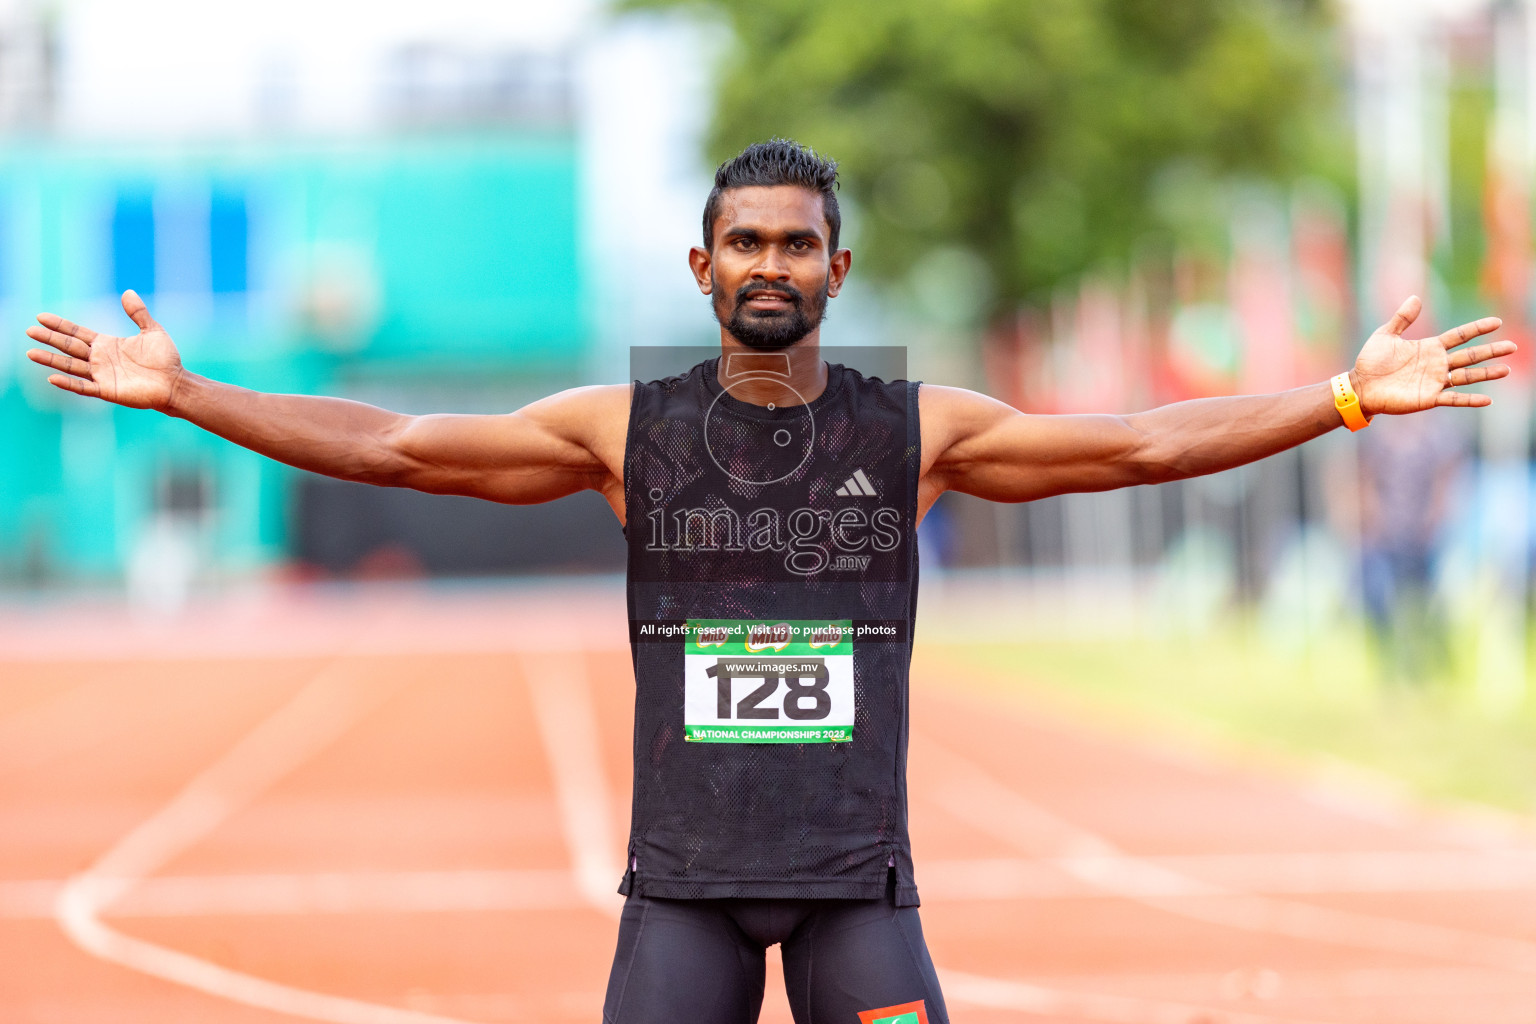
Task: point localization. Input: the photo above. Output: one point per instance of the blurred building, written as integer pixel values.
(379, 269)
(417, 239)
(1443, 108)
(467, 207)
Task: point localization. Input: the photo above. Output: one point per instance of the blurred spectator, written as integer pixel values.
(936, 540)
(1407, 465)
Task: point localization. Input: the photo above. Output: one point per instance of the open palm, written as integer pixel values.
(139, 371)
(1395, 374)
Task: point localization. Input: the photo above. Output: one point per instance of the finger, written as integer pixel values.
(88, 388)
(1478, 374)
(1464, 399)
(62, 342)
(1406, 314)
(60, 361)
(138, 312)
(1466, 332)
(57, 323)
(1476, 354)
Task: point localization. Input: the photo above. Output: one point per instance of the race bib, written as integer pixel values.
(760, 681)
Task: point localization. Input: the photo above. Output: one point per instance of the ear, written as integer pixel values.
(842, 259)
(699, 262)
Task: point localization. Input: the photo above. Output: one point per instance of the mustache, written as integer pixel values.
(787, 291)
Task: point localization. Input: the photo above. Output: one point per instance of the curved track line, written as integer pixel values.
(314, 719)
(562, 703)
(368, 892)
(986, 879)
(567, 722)
(972, 794)
(1088, 1006)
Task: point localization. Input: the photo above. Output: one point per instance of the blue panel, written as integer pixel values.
(228, 247)
(7, 242)
(487, 231)
(133, 243)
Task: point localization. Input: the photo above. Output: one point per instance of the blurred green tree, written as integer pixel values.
(1002, 147)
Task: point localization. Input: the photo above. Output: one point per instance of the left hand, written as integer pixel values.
(1396, 375)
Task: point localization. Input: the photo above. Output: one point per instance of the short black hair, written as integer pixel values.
(776, 162)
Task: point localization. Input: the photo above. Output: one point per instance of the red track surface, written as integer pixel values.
(413, 828)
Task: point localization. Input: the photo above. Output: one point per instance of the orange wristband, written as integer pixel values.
(1348, 403)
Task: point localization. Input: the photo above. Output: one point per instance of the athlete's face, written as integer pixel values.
(771, 270)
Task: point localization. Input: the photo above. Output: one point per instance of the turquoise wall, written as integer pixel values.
(290, 268)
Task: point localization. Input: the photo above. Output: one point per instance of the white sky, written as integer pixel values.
(210, 66)
(173, 69)
(1386, 15)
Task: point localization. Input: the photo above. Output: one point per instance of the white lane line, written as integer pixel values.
(383, 892)
(1314, 874)
(981, 879)
(306, 624)
(1350, 871)
(315, 718)
(1371, 988)
(999, 994)
(311, 721)
(367, 893)
(562, 704)
(977, 798)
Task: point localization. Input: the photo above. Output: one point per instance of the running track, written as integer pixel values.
(408, 806)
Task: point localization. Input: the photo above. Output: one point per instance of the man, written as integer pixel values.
(1406, 478)
(770, 502)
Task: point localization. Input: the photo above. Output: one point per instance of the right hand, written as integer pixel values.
(140, 372)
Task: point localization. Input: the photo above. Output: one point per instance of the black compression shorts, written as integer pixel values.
(702, 961)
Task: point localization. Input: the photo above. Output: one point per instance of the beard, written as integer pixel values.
(770, 330)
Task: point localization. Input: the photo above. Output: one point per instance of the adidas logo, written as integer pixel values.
(857, 486)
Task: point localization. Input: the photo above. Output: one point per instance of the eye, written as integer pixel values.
(743, 244)
(799, 245)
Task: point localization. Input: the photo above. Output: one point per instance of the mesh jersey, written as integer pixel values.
(755, 535)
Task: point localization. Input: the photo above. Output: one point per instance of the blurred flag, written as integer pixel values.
(1204, 345)
(1260, 282)
(1320, 257)
(1091, 376)
(1507, 216)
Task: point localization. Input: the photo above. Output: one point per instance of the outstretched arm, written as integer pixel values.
(980, 446)
(569, 442)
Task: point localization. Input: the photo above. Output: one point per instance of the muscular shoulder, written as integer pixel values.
(593, 419)
(952, 416)
(584, 414)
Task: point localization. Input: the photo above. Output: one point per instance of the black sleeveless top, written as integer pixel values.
(772, 592)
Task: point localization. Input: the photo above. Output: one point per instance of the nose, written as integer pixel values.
(771, 266)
